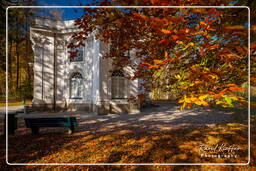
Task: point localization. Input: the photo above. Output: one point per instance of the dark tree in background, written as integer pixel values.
(19, 47)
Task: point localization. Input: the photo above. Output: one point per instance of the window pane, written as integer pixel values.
(126, 88)
(114, 87)
(79, 54)
(119, 87)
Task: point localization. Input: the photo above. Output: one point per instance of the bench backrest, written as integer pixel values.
(51, 122)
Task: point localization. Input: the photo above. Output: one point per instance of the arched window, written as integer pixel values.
(76, 86)
(119, 88)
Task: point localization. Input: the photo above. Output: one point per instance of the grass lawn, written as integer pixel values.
(131, 146)
(16, 103)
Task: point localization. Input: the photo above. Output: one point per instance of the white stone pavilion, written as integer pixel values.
(86, 82)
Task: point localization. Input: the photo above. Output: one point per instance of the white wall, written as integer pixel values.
(94, 69)
(43, 63)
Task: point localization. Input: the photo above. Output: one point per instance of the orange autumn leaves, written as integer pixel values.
(224, 98)
(158, 62)
(172, 42)
(184, 38)
(232, 88)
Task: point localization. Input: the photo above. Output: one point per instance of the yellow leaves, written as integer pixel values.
(219, 102)
(178, 76)
(224, 98)
(234, 98)
(131, 142)
(191, 44)
(213, 76)
(227, 100)
(199, 10)
(203, 96)
(188, 101)
(198, 82)
(156, 61)
(166, 54)
(212, 140)
(201, 32)
(201, 102)
(179, 42)
(183, 10)
(182, 156)
(203, 23)
(166, 31)
(182, 106)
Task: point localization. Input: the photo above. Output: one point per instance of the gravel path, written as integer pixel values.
(165, 117)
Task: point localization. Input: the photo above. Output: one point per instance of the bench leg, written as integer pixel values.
(35, 130)
(71, 129)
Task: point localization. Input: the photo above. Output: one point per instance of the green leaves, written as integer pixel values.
(228, 100)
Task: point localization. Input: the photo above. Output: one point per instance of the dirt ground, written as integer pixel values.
(165, 117)
(156, 135)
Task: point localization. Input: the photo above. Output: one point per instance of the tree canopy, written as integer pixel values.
(201, 53)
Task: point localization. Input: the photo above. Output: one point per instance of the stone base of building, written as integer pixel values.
(49, 107)
(102, 109)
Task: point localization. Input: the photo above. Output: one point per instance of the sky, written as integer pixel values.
(67, 13)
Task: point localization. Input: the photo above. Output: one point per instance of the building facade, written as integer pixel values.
(86, 82)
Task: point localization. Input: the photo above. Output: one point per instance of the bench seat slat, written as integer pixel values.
(51, 122)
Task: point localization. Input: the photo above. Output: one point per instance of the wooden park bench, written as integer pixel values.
(36, 123)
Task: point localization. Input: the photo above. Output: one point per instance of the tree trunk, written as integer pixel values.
(27, 50)
(17, 55)
(10, 66)
(17, 67)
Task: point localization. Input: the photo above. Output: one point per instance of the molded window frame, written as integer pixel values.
(76, 84)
